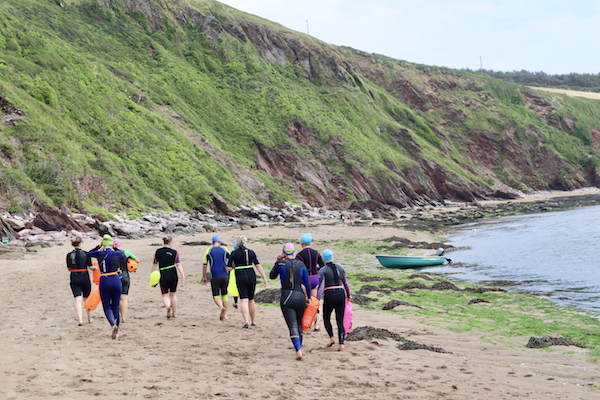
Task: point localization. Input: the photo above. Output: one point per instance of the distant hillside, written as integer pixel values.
(573, 81)
(128, 105)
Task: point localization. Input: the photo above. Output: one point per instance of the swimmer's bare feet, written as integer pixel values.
(81, 324)
(90, 320)
(169, 312)
(115, 332)
(331, 342)
(223, 315)
(341, 348)
(299, 355)
(122, 318)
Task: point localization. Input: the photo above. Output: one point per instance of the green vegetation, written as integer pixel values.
(148, 110)
(509, 318)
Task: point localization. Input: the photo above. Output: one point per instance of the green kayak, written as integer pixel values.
(403, 262)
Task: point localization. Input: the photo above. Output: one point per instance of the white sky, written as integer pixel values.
(554, 36)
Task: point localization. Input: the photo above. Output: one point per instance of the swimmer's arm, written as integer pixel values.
(305, 280)
(274, 271)
(129, 254)
(262, 273)
(321, 284)
(180, 269)
(346, 285)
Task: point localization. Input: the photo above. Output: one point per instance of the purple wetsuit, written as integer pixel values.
(313, 261)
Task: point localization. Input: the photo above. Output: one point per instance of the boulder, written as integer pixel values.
(16, 224)
(52, 219)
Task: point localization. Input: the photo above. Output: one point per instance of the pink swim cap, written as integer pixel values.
(288, 249)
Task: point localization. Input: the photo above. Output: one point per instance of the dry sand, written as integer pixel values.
(45, 354)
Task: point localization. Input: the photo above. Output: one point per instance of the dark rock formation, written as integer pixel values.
(52, 219)
(370, 333)
(547, 341)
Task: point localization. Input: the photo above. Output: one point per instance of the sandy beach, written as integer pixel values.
(196, 356)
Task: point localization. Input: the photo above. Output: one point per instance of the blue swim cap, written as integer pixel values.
(216, 238)
(234, 246)
(306, 238)
(288, 249)
(328, 255)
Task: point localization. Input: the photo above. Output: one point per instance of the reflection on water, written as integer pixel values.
(551, 253)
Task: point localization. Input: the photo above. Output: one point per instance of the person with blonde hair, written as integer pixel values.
(166, 259)
(242, 261)
(78, 263)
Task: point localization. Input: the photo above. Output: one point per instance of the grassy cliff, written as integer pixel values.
(137, 104)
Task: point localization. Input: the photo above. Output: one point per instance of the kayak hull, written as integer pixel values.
(403, 262)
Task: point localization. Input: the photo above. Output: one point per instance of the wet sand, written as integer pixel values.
(196, 356)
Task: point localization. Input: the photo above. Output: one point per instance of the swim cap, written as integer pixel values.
(107, 240)
(117, 243)
(306, 238)
(216, 238)
(328, 255)
(288, 249)
(235, 246)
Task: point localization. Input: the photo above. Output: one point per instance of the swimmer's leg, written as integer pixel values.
(340, 307)
(166, 298)
(244, 305)
(173, 304)
(327, 309)
(123, 305)
(252, 310)
(78, 305)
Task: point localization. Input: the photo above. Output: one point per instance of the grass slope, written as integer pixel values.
(125, 114)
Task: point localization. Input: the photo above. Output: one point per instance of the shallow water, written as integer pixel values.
(550, 253)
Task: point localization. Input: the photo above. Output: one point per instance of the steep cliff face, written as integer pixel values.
(188, 103)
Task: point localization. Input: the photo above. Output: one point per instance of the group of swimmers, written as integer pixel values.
(305, 275)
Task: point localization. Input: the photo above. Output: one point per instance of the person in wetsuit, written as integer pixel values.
(166, 259)
(313, 262)
(294, 299)
(242, 261)
(110, 285)
(78, 263)
(217, 256)
(332, 282)
(125, 280)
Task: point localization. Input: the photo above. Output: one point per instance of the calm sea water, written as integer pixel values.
(554, 253)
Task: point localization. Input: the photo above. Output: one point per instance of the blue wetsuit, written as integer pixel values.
(110, 285)
(293, 300)
(217, 257)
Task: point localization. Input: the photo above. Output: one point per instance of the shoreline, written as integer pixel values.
(197, 356)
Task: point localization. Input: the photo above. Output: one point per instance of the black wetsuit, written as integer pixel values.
(78, 262)
(243, 260)
(332, 282)
(166, 258)
(293, 300)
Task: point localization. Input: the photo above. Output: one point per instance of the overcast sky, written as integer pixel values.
(554, 36)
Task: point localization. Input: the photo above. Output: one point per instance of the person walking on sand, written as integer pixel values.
(352, 219)
(242, 261)
(342, 218)
(332, 282)
(217, 256)
(313, 262)
(294, 288)
(110, 286)
(78, 263)
(166, 259)
(125, 280)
